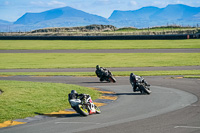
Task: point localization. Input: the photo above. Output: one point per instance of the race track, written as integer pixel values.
(128, 108)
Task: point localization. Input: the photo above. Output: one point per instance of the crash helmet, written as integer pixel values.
(97, 67)
(73, 92)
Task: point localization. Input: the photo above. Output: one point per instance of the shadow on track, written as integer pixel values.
(96, 82)
(119, 94)
(59, 115)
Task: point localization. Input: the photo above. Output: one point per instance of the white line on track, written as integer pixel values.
(193, 105)
(76, 123)
(187, 127)
(162, 92)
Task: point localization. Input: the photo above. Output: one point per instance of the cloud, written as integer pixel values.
(102, 2)
(159, 3)
(58, 3)
(5, 3)
(48, 4)
(134, 3)
(38, 3)
(180, 2)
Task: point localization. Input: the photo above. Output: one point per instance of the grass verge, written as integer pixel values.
(116, 73)
(84, 60)
(191, 76)
(97, 44)
(22, 99)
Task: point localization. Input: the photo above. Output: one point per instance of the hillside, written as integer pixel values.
(60, 17)
(150, 16)
(89, 28)
(3, 22)
(143, 13)
(175, 12)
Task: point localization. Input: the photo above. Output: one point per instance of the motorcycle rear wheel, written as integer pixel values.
(82, 109)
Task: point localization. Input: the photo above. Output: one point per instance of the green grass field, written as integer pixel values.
(85, 60)
(116, 73)
(22, 99)
(101, 44)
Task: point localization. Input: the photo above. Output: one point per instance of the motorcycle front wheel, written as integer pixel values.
(144, 89)
(98, 111)
(82, 109)
(112, 79)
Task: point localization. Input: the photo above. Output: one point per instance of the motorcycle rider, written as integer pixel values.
(74, 95)
(134, 80)
(101, 72)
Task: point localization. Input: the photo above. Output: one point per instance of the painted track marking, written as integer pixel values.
(76, 123)
(187, 127)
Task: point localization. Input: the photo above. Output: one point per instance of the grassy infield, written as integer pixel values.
(22, 99)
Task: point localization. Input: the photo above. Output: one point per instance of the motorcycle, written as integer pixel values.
(139, 84)
(107, 76)
(84, 105)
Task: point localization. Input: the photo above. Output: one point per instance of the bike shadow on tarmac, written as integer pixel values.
(135, 93)
(59, 115)
(97, 82)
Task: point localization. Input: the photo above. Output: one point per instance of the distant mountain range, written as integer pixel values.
(66, 16)
(69, 17)
(3, 22)
(152, 16)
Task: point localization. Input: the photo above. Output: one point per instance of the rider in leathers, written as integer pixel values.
(134, 79)
(75, 95)
(101, 72)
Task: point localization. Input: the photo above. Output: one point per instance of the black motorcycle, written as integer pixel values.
(139, 84)
(105, 75)
(109, 77)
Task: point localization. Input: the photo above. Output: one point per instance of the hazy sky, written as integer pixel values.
(11, 10)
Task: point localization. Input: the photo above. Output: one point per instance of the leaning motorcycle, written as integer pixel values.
(140, 84)
(84, 105)
(107, 76)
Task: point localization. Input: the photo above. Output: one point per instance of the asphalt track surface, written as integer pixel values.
(172, 107)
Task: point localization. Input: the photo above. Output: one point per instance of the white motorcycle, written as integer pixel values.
(84, 105)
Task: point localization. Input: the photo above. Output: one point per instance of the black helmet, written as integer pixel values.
(73, 92)
(132, 74)
(97, 67)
